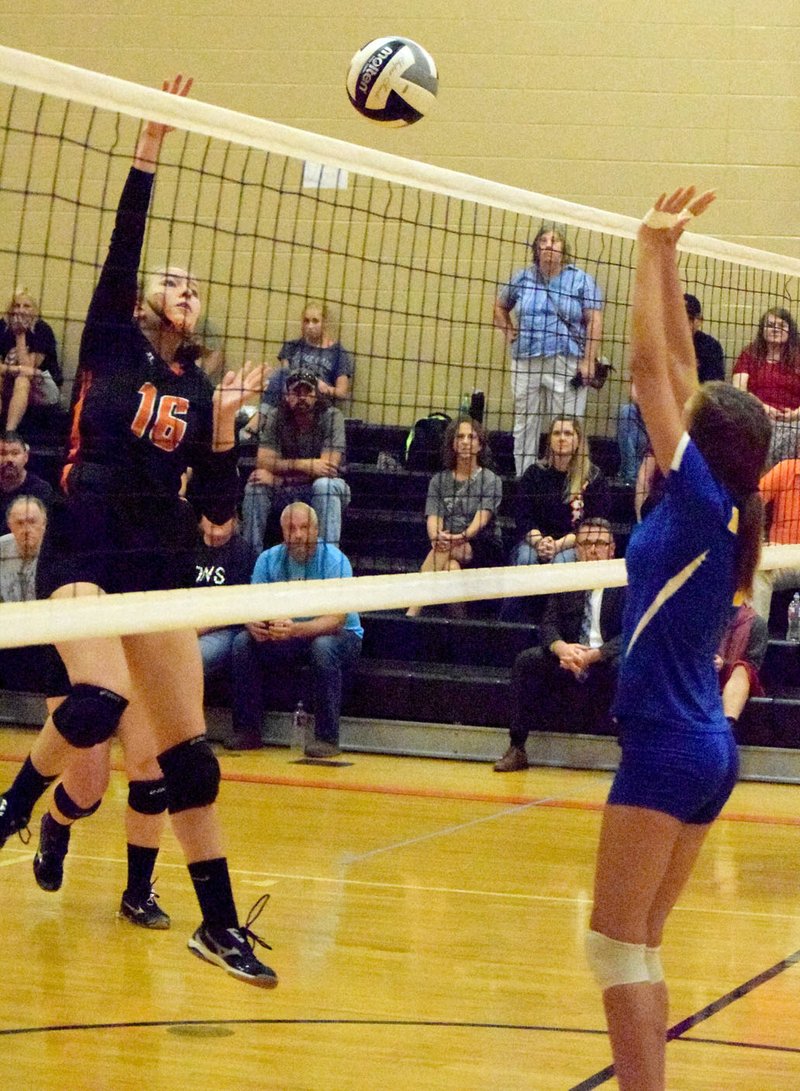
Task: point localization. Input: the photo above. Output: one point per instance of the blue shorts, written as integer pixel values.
(686, 773)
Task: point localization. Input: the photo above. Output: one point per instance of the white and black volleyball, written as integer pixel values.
(392, 81)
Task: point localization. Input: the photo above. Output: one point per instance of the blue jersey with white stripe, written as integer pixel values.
(681, 581)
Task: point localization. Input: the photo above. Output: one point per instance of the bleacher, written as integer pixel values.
(439, 685)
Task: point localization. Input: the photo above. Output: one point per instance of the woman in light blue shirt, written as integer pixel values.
(551, 314)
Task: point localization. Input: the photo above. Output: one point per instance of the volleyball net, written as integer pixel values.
(407, 257)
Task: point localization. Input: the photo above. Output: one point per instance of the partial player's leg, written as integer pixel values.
(77, 795)
(145, 817)
(88, 715)
(167, 673)
(633, 860)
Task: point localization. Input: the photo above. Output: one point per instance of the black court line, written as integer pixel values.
(11, 1032)
(715, 1006)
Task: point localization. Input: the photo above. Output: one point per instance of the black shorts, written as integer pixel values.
(34, 669)
(119, 544)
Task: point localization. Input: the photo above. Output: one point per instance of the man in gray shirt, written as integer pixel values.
(19, 551)
(301, 446)
(37, 669)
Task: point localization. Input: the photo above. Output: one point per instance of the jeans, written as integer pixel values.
(328, 496)
(216, 647)
(521, 610)
(256, 666)
(632, 441)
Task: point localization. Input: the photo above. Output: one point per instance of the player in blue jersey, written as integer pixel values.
(686, 561)
(145, 412)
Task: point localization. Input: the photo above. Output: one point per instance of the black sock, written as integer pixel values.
(212, 884)
(54, 831)
(141, 862)
(27, 788)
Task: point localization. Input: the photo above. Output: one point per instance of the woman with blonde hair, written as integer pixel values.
(318, 351)
(146, 412)
(29, 366)
(555, 494)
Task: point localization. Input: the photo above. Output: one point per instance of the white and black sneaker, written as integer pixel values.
(146, 912)
(11, 823)
(233, 949)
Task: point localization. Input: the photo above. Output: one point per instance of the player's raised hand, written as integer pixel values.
(667, 219)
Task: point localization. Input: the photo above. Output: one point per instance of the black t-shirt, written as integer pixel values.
(710, 358)
(540, 502)
(40, 339)
(225, 565)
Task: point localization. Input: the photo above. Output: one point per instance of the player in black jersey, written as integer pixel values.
(144, 413)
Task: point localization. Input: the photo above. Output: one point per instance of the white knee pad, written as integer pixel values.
(614, 962)
(652, 957)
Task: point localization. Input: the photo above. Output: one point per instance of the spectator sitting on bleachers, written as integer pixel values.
(15, 478)
(265, 651)
(463, 500)
(301, 449)
(555, 494)
(780, 489)
(315, 351)
(770, 368)
(29, 367)
(738, 660)
(552, 498)
(578, 656)
(33, 668)
(223, 559)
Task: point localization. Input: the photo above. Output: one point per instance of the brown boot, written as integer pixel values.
(512, 761)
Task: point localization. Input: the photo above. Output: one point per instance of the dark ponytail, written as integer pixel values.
(732, 432)
(751, 533)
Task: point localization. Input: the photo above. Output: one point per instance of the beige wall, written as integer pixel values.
(600, 103)
(603, 104)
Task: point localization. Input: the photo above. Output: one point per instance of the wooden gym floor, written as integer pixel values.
(427, 919)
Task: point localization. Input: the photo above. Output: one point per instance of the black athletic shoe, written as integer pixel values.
(48, 863)
(146, 912)
(12, 823)
(233, 949)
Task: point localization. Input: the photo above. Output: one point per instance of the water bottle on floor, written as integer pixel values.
(300, 727)
(793, 620)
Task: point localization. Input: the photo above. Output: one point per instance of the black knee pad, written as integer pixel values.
(148, 796)
(89, 715)
(67, 805)
(191, 771)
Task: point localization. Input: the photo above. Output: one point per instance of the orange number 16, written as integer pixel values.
(162, 415)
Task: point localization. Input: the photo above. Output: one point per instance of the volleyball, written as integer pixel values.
(392, 81)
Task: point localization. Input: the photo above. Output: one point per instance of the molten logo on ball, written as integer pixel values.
(392, 81)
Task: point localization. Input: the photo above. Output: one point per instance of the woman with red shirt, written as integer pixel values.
(770, 369)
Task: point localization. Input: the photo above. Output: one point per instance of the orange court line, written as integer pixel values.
(452, 794)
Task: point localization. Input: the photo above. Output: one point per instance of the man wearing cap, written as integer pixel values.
(301, 447)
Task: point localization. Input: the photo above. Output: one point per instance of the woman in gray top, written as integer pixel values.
(462, 502)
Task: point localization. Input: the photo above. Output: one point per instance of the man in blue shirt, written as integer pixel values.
(330, 643)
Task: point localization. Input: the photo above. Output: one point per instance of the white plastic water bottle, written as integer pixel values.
(793, 620)
(300, 724)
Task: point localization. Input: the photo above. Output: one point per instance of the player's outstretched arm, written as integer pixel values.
(662, 353)
(152, 135)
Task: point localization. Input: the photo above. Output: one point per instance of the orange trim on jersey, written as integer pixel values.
(74, 430)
